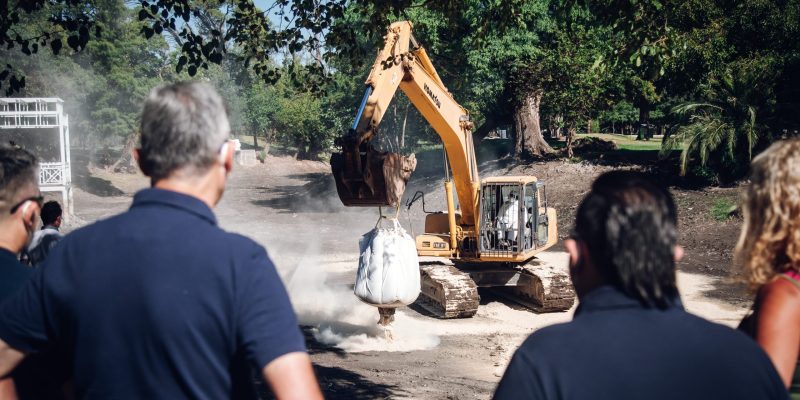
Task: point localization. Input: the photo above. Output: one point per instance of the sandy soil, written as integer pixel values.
(292, 209)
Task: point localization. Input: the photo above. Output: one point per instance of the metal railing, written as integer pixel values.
(51, 174)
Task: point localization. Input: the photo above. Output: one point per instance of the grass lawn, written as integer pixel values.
(625, 142)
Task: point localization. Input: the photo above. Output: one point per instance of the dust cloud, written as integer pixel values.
(321, 290)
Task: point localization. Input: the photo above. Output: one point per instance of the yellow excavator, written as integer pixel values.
(501, 222)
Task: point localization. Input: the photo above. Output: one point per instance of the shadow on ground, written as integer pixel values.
(318, 194)
(83, 179)
(335, 382)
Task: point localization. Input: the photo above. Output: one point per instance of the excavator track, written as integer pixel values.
(542, 288)
(448, 292)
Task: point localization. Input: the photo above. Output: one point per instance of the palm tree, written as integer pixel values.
(724, 130)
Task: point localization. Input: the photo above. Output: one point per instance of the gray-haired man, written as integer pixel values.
(159, 302)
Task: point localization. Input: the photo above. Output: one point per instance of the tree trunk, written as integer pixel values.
(403, 129)
(612, 128)
(255, 138)
(529, 141)
(589, 126)
(559, 120)
(126, 162)
(644, 120)
(571, 131)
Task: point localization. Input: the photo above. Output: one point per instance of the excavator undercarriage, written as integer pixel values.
(451, 290)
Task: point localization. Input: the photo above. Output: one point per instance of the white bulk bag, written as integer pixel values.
(388, 270)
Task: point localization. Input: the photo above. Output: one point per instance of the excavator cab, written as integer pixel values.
(514, 217)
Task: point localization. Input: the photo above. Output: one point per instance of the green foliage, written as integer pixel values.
(727, 128)
(729, 70)
(104, 84)
(620, 112)
(29, 26)
(125, 63)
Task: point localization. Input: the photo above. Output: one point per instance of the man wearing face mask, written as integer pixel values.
(20, 202)
(630, 337)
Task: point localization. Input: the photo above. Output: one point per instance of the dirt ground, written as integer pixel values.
(292, 209)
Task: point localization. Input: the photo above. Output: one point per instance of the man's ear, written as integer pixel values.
(574, 250)
(227, 156)
(677, 253)
(137, 156)
(29, 214)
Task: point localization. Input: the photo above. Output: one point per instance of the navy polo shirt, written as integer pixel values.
(157, 302)
(617, 349)
(13, 275)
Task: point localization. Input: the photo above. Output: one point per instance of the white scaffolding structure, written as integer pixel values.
(44, 113)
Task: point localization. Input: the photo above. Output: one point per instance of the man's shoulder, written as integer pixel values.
(10, 265)
(12, 274)
(244, 244)
(129, 221)
(719, 335)
(675, 323)
(552, 337)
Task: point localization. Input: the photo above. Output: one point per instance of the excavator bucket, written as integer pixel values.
(366, 177)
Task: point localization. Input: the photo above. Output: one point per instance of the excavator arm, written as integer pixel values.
(403, 64)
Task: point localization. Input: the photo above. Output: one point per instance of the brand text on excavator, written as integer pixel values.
(432, 96)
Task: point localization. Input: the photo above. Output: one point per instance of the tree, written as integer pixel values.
(562, 76)
(104, 84)
(262, 107)
(504, 60)
(727, 128)
(645, 41)
(621, 115)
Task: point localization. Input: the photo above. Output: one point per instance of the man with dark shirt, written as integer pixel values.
(47, 237)
(159, 302)
(630, 337)
(19, 204)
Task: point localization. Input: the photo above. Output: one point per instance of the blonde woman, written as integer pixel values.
(769, 249)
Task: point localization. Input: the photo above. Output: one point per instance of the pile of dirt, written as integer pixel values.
(593, 145)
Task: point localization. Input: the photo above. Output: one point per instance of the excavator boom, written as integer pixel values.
(403, 64)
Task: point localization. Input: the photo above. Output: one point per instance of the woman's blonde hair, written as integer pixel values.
(770, 239)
